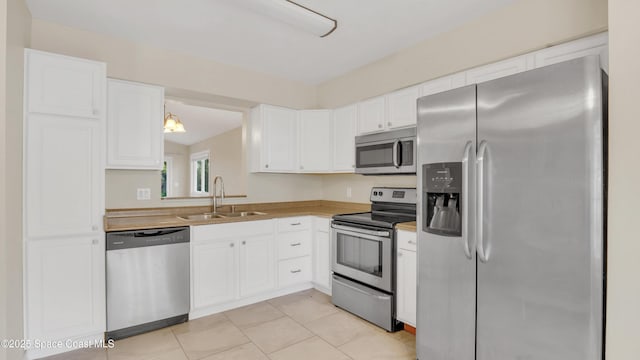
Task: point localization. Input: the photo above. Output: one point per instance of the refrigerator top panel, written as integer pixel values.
(540, 232)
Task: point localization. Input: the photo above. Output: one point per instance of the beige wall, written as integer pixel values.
(136, 62)
(519, 28)
(623, 293)
(522, 27)
(16, 25)
(226, 159)
(180, 167)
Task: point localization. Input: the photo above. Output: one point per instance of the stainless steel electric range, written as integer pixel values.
(363, 258)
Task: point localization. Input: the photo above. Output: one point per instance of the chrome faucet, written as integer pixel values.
(215, 192)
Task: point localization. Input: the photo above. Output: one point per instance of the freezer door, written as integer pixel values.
(540, 208)
(447, 263)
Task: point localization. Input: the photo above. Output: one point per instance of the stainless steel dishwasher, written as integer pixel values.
(147, 280)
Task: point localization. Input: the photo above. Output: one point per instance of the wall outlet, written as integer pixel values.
(144, 194)
(349, 194)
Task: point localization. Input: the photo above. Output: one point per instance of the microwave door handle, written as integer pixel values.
(396, 153)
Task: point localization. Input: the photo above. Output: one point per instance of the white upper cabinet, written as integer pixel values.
(443, 84)
(401, 106)
(371, 115)
(593, 45)
(344, 134)
(63, 85)
(273, 138)
(314, 134)
(500, 69)
(64, 176)
(135, 117)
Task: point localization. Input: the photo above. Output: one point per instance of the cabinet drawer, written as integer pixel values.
(294, 224)
(294, 244)
(407, 240)
(294, 271)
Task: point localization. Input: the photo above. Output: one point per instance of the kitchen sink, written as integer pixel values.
(209, 216)
(242, 213)
(206, 216)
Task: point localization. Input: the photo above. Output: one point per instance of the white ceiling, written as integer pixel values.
(200, 122)
(230, 32)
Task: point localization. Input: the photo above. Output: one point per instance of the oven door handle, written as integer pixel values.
(360, 232)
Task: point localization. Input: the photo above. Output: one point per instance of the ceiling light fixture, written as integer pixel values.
(297, 16)
(173, 124)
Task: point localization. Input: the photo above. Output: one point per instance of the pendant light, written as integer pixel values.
(173, 124)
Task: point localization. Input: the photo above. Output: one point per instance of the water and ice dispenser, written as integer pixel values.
(442, 189)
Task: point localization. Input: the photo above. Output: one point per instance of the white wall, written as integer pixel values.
(15, 34)
(623, 292)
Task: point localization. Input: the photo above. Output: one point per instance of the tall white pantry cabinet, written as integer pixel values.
(64, 142)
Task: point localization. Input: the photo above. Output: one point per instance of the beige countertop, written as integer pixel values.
(408, 226)
(136, 219)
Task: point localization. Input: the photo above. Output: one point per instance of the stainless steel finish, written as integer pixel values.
(394, 195)
(540, 295)
(395, 139)
(539, 186)
(147, 279)
(370, 304)
(359, 231)
(214, 204)
(396, 161)
(208, 216)
(383, 282)
(466, 239)
(483, 254)
(446, 276)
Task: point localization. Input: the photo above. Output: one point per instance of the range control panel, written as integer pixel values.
(397, 195)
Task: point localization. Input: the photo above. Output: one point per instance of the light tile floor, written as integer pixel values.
(303, 325)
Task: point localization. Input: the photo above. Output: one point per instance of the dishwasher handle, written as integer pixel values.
(143, 238)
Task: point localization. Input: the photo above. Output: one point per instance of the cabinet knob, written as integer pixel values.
(244, 242)
(399, 254)
(411, 242)
(295, 271)
(353, 166)
(296, 244)
(231, 245)
(389, 123)
(301, 167)
(94, 228)
(379, 126)
(95, 112)
(266, 166)
(296, 224)
(94, 241)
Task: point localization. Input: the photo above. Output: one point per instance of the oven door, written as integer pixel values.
(386, 156)
(363, 255)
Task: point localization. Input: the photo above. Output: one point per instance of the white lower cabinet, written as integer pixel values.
(214, 272)
(65, 293)
(241, 263)
(322, 254)
(257, 262)
(406, 277)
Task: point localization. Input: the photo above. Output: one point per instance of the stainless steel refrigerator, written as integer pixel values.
(511, 232)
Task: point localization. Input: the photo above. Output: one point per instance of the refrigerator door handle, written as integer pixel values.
(466, 239)
(396, 153)
(483, 254)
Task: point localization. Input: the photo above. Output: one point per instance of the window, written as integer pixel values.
(166, 174)
(200, 174)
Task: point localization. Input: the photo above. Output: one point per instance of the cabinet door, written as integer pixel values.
(64, 176)
(500, 69)
(371, 115)
(344, 135)
(257, 264)
(407, 283)
(64, 85)
(443, 84)
(214, 272)
(402, 107)
(135, 137)
(314, 129)
(279, 141)
(322, 257)
(593, 45)
(65, 287)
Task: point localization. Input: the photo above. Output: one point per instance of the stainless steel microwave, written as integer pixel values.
(387, 153)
